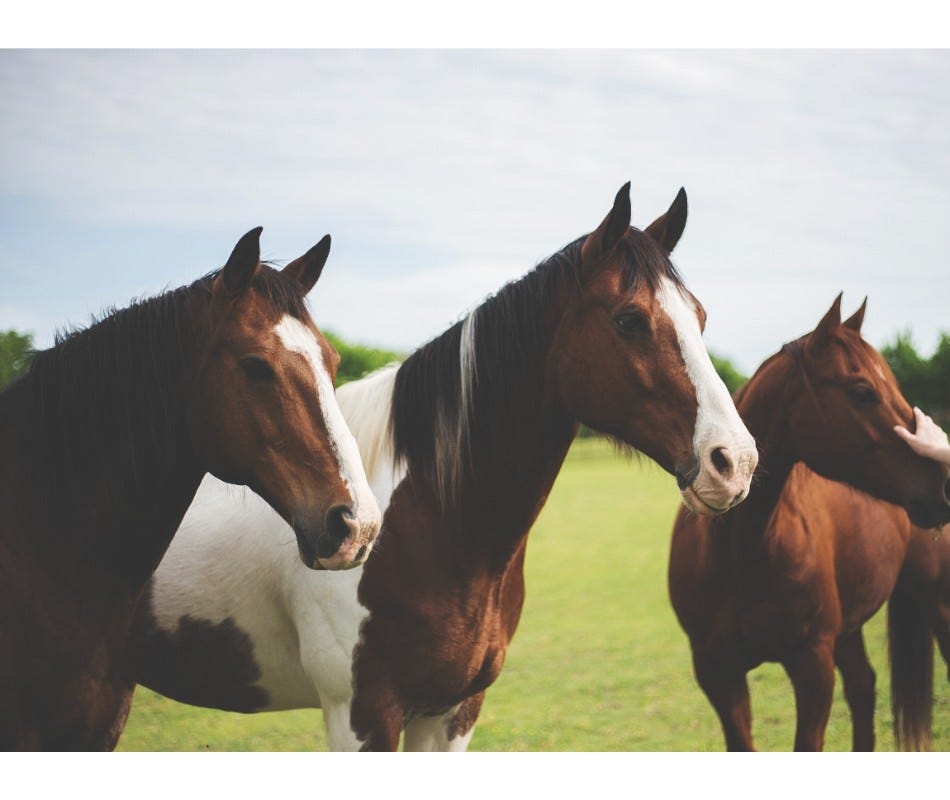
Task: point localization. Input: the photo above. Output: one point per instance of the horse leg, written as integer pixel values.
(336, 719)
(450, 732)
(377, 716)
(859, 679)
(812, 672)
(727, 689)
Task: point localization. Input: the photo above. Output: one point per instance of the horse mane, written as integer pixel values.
(113, 389)
(449, 392)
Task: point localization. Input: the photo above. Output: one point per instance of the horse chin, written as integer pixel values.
(695, 503)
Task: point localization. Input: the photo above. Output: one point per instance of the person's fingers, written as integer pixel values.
(912, 440)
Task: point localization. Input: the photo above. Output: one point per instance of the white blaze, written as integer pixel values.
(717, 422)
(298, 338)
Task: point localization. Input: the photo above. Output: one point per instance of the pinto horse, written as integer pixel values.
(793, 574)
(103, 444)
(462, 443)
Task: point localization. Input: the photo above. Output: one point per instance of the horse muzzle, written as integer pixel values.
(717, 481)
(344, 539)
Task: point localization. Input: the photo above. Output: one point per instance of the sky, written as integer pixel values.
(442, 174)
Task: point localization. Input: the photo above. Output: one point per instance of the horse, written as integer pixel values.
(792, 575)
(103, 444)
(918, 611)
(462, 443)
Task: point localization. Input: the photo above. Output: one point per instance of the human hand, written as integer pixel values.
(929, 440)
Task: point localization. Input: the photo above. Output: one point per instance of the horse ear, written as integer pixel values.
(244, 262)
(857, 318)
(611, 230)
(667, 229)
(827, 326)
(306, 269)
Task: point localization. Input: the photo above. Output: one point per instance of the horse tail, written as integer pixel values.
(911, 653)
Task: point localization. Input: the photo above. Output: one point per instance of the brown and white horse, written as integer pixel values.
(793, 574)
(103, 444)
(462, 443)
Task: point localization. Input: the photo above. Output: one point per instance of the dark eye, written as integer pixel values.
(257, 369)
(863, 394)
(632, 323)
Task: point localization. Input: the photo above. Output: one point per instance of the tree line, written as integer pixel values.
(924, 381)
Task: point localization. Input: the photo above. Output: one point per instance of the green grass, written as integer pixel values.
(599, 662)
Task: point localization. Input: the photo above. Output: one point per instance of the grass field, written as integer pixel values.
(599, 662)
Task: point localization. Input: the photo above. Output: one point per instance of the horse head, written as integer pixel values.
(262, 411)
(844, 404)
(631, 362)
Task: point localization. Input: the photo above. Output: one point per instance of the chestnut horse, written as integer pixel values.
(918, 612)
(462, 443)
(103, 444)
(793, 574)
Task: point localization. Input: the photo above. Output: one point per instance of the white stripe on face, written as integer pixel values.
(717, 421)
(298, 338)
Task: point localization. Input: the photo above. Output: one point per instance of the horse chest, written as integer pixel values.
(773, 615)
(465, 654)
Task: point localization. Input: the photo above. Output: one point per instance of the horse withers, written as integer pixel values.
(792, 575)
(462, 443)
(103, 444)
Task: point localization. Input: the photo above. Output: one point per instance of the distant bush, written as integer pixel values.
(356, 360)
(925, 382)
(15, 352)
(728, 372)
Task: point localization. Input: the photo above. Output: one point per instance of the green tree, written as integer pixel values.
(15, 351)
(728, 372)
(357, 360)
(924, 382)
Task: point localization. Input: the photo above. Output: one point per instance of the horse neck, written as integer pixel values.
(517, 467)
(762, 407)
(117, 474)
(511, 451)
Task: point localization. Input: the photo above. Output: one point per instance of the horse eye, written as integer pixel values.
(863, 394)
(632, 323)
(257, 369)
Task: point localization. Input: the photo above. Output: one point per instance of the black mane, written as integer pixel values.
(116, 385)
(435, 421)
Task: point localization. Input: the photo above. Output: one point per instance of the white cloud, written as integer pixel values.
(807, 172)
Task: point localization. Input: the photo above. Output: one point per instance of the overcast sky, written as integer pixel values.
(443, 174)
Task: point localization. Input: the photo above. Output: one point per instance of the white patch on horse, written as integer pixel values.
(717, 421)
(468, 379)
(298, 338)
(366, 405)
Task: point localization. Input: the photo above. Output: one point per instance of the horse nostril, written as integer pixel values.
(721, 461)
(341, 522)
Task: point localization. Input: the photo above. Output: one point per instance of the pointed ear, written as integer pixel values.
(244, 261)
(667, 229)
(857, 318)
(826, 327)
(306, 269)
(609, 233)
